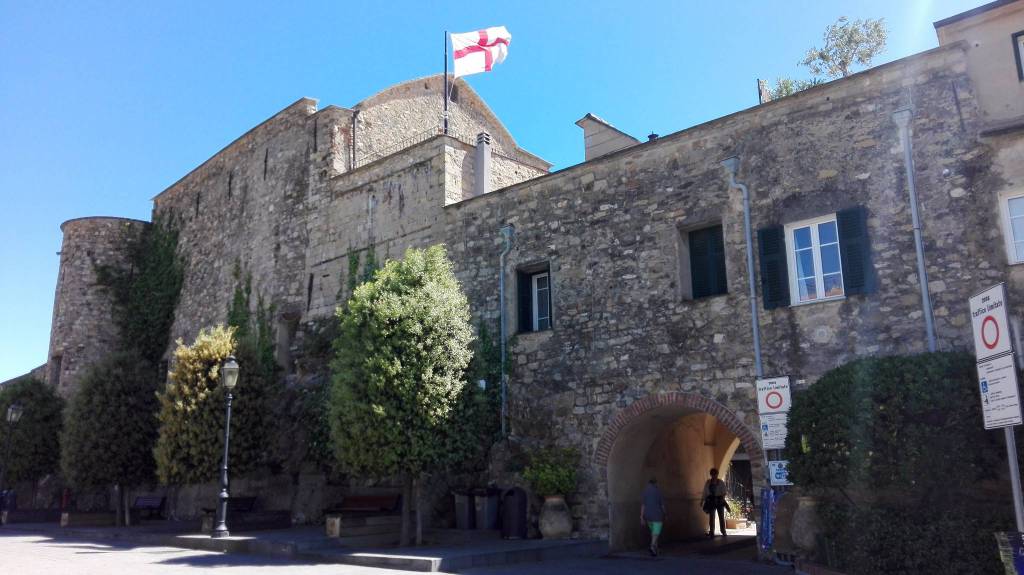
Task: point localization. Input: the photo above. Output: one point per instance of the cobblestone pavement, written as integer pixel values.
(39, 555)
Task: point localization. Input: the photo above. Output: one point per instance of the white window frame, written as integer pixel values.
(819, 281)
(535, 299)
(1009, 241)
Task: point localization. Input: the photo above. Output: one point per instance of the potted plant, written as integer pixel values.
(552, 475)
(737, 512)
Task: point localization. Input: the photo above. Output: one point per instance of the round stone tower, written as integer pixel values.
(83, 329)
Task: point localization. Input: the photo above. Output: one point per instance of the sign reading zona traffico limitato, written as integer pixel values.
(997, 372)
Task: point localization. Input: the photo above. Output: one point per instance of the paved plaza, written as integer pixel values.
(28, 554)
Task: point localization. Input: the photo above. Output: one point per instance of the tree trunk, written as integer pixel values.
(419, 511)
(406, 496)
(125, 508)
(118, 505)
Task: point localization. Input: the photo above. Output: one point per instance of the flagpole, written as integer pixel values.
(445, 82)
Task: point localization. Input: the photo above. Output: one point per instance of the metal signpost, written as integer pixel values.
(997, 377)
(773, 402)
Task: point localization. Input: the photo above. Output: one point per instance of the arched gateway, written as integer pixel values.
(676, 437)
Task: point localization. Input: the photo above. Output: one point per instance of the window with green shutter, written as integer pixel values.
(707, 262)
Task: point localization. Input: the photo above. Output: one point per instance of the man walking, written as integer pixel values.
(714, 501)
(652, 512)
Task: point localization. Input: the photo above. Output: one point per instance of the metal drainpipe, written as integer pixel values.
(731, 165)
(902, 119)
(508, 233)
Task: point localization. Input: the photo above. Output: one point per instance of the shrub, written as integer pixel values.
(552, 471)
(35, 439)
(896, 449)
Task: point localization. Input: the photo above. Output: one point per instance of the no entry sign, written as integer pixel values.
(773, 395)
(997, 372)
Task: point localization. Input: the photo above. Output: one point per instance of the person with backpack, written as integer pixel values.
(714, 501)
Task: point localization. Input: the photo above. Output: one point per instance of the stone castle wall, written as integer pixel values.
(83, 329)
(610, 230)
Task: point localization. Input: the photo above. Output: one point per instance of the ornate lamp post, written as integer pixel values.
(14, 412)
(229, 377)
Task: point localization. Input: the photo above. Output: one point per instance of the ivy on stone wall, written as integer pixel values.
(145, 292)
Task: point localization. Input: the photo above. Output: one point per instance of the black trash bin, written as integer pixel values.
(8, 500)
(513, 513)
(465, 511)
(486, 502)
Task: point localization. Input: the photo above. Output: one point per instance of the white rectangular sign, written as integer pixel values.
(1000, 398)
(988, 319)
(773, 395)
(778, 474)
(773, 430)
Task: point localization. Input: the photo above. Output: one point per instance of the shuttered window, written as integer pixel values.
(534, 297)
(707, 262)
(814, 260)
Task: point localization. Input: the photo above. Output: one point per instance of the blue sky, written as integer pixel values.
(105, 104)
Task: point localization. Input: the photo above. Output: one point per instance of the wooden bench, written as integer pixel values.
(364, 515)
(148, 504)
(243, 516)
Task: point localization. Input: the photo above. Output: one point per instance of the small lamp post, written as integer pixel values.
(229, 377)
(14, 412)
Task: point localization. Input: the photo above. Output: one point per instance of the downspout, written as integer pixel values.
(352, 155)
(507, 233)
(902, 119)
(731, 165)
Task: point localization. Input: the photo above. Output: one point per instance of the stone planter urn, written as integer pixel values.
(806, 527)
(555, 518)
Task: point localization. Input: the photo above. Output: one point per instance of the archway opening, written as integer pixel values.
(677, 443)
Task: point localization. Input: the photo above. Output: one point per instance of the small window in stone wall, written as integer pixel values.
(55, 368)
(1018, 53)
(534, 287)
(702, 262)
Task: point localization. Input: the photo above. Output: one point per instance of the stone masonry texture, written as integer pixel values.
(297, 198)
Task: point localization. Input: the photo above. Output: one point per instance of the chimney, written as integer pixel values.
(651, 137)
(482, 165)
(600, 137)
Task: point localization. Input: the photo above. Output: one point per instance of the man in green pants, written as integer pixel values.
(652, 512)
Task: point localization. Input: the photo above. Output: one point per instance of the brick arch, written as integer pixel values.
(637, 410)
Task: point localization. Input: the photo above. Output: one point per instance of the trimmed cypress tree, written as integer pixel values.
(110, 426)
(35, 439)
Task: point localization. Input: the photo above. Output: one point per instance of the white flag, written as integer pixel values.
(478, 51)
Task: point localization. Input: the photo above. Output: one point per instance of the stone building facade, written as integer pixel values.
(632, 361)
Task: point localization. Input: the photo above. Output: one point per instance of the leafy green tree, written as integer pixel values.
(110, 427)
(35, 439)
(847, 44)
(398, 373)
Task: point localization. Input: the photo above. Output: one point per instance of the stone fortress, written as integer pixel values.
(627, 280)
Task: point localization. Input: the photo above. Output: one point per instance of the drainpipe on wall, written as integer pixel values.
(507, 233)
(731, 165)
(902, 119)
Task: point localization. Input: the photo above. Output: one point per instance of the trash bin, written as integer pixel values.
(486, 502)
(465, 512)
(513, 513)
(8, 500)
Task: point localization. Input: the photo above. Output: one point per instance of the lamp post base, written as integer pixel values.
(219, 533)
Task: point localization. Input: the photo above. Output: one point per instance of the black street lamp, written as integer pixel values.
(229, 377)
(14, 412)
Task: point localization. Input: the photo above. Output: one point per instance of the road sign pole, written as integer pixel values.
(1011, 456)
